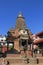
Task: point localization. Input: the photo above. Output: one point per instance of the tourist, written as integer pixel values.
(37, 61)
(3, 61)
(7, 62)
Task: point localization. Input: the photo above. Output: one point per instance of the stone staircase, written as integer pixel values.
(21, 60)
(16, 60)
(13, 55)
(33, 61)
(24, 60)
(40, 59)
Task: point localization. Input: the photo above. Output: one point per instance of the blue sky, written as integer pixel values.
(32, 11)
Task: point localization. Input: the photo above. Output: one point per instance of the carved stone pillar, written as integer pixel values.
(21, 48)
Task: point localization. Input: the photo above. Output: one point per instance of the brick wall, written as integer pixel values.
(16, 44)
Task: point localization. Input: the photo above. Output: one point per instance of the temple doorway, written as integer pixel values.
(24, 42)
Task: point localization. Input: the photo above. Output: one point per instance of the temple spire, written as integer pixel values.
(20, 15)
(20, 22)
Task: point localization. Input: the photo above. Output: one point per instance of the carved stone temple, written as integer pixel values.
(20, 36)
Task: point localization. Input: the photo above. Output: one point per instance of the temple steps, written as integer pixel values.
(20, 60)
(13, 55)
(24, 60)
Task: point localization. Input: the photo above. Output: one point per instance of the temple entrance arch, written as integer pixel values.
(24, 42)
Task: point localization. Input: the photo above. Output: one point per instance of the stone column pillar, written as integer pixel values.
(21, 48)
(27, 49)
